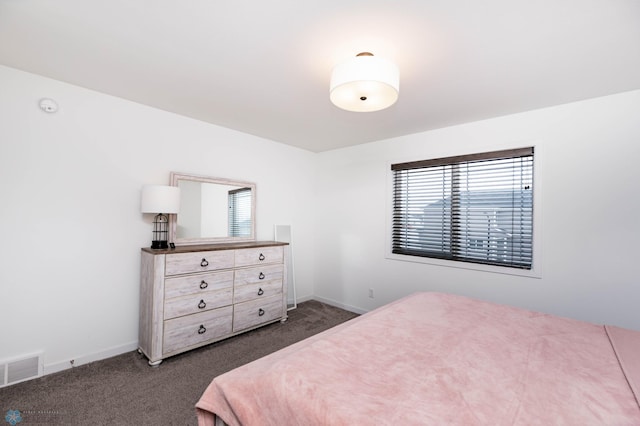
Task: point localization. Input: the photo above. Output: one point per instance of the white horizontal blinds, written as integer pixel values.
(476, 208)
(240, 212)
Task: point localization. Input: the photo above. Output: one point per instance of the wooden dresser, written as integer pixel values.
(194, 295)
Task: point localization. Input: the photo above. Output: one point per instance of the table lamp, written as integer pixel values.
(162, 200)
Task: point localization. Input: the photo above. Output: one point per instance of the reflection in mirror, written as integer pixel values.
(213, 210)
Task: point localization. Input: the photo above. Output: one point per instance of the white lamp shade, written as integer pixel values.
(160, 199)
(364, 83)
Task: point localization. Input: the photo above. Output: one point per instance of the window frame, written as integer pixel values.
(534, 272)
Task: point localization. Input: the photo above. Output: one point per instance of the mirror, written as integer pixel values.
(212, 210)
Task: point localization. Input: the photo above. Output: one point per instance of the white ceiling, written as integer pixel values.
(263, 67)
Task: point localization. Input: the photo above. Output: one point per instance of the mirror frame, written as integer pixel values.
(173, 219)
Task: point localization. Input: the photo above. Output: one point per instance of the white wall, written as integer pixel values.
(70, 210)
(587, 153)
(72, 231)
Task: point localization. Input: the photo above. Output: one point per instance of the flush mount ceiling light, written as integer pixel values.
(364, 83)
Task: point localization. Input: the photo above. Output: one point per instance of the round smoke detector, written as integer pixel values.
(48, 105)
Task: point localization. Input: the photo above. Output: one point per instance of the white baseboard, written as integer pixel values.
(85, 359)
(304, 299)
(338, 305)
(132, 346)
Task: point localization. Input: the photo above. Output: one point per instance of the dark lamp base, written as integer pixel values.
(159, 245)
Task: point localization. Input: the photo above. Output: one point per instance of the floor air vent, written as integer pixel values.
(19, 370)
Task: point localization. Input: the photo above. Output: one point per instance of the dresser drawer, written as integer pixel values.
(259, 274)
(194, 303)
(257, 256)
(202, 261)
(254, 312)
(191, 330)
(197, 284)
(264, 290)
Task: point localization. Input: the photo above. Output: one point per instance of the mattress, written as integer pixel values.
(433, 359)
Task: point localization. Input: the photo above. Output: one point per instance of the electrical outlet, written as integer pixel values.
(371, 293)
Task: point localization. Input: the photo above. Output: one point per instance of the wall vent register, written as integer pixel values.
(18, 370)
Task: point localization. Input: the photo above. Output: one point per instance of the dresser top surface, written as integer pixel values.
(213, 247)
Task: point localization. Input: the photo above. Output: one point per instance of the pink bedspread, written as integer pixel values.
(436, 359)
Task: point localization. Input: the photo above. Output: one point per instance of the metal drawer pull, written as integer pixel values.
(202, 305)
(204, 284)
(202, 329)
(260, 292)
(260, 312)
(204, 263)
(261, 257)
(261, 276)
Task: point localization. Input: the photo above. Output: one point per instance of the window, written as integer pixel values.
(473, 208)
(240, 212)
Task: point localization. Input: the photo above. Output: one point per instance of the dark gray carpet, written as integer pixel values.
(124, 390)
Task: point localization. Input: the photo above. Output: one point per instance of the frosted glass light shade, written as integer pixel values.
(160, 199)
(364, 83)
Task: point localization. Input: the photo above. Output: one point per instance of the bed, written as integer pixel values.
(436, 359)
